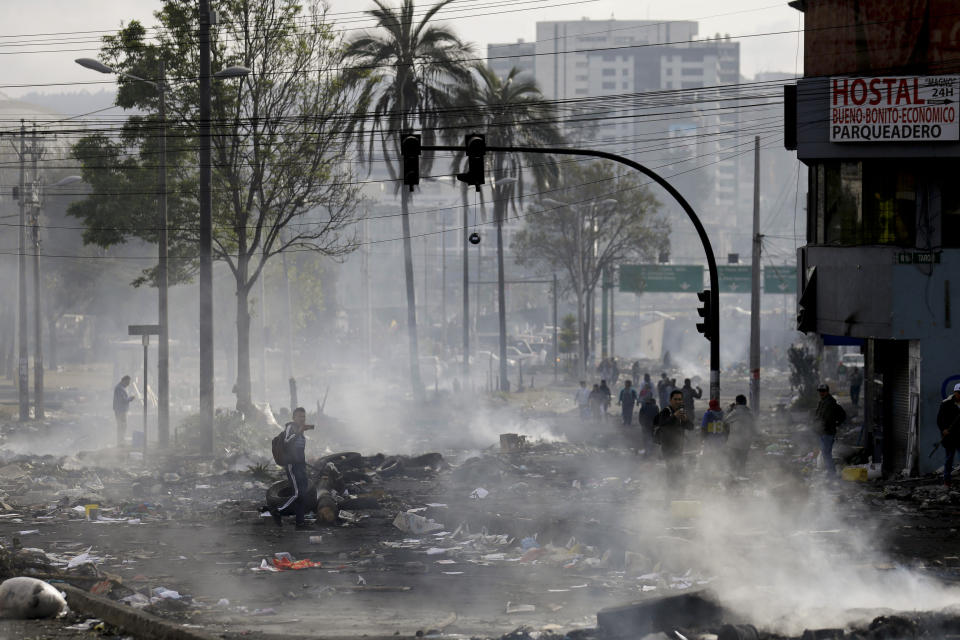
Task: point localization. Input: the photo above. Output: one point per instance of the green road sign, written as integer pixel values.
(660, 278)
(780, 279)
(735, 278)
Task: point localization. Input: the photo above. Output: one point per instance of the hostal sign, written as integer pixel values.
(894, 109)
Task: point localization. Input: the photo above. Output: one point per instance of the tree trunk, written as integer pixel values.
(52, 361)
(244, 400)
(581, 362)
(415, 382)
(499, 212)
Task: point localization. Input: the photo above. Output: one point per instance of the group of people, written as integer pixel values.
(665, 412)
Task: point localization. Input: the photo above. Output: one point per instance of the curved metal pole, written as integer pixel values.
(701, 232)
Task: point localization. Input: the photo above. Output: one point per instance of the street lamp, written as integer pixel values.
(206, 273)
(163, 347)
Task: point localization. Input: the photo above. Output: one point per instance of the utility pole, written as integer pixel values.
(263, 338)
(443, 281)
(556, 352)
(613, 318)
(206, 240)
(604, 319)
(466, 298)
(163, 282)
(291, 381)
(23, 374)
(37, 320)
(755, 286)
(367, 310)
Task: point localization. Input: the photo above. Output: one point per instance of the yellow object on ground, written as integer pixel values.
(854, 474)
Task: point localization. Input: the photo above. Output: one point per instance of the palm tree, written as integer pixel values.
(513, 112)
(406, 72)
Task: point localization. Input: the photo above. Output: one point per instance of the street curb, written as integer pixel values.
(130, 620)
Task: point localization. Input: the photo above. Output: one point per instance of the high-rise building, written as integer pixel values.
(651, 91)
(504, 57)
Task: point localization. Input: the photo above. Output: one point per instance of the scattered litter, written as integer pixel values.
(520, 608)
(166, 594)
(453, 573)
(223, 602)
(26, 598)
(479, 493)
(412, 523)
(361, 580)
(269, 611)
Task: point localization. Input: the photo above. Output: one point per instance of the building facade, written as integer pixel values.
(874, 119)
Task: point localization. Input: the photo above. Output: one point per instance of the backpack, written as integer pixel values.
(841, 415)
(278, 447)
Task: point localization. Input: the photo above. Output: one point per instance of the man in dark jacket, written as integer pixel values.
(669, 426)
(828, 417)
(646, 416)
(948, 421)
(627, 399)
(295, 444)
(689, 395)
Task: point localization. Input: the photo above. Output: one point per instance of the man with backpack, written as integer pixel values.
(288, 452)
(829, 416)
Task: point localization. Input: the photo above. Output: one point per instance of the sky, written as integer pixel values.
(40, 39)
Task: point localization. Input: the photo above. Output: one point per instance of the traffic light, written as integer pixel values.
(410, 148)
(476, 146)
(704, 311)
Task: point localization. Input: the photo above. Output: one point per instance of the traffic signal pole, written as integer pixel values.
(714, 319)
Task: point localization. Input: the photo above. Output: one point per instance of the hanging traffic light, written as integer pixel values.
(704, 311)
(410, 149)
(475, 145)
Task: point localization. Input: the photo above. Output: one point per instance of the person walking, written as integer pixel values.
(606, 396)
(856, 379)
(646, 416)
(741, 427)
(582, 398)
(829, 416)
(669, 428)
(626, 400)
(295, 443)
(635, 372)
(713, 432)
(596, 400)
(121, 405)
(948, 421)
(646, 388)
(663, 390)
(689, 395)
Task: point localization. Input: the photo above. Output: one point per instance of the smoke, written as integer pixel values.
(786, 557)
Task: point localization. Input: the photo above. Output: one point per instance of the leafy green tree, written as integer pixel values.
(512, 112)
(407, 69)
(594, 221)
(278, 138)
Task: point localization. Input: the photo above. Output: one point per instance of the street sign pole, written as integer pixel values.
(145, 331)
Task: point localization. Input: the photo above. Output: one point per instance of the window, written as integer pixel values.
(626, 85)
(609, 72)
(669, 71)
(691, 71)
(609, 58)
(582, 78)
(870, 202)
(608, 86)
(625, 72)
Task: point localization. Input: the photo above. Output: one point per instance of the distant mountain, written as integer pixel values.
(72, 103)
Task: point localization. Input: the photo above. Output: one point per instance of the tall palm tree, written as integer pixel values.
(406, 70)
(513, 112)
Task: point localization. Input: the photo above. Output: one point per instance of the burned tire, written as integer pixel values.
(342, 461)
(279, 492)
(390, 467)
